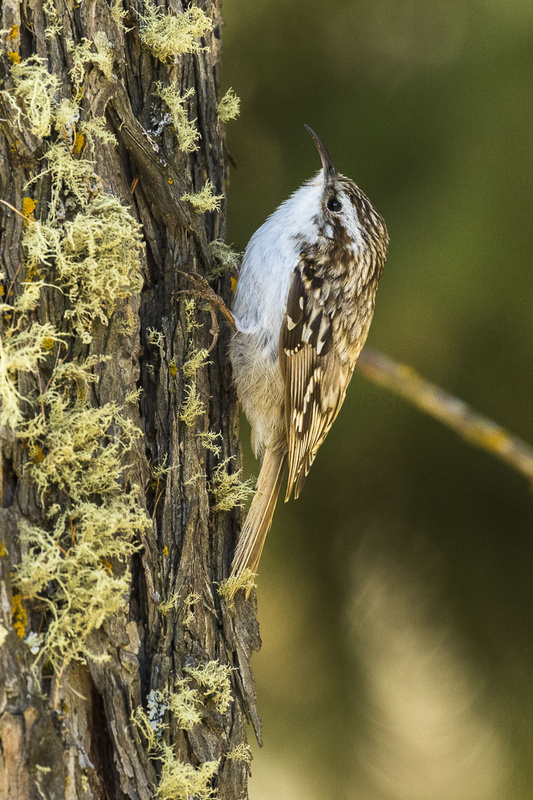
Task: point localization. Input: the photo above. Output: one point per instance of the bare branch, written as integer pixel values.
(455, 413)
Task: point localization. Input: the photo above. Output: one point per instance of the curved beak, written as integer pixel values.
(327, 163)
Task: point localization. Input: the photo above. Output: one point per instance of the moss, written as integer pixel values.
(229, 107)
(186, 130)
(227, 488)
(203, 200)
(168, 36)
(32, 95)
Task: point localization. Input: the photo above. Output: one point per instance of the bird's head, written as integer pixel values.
(345, 215)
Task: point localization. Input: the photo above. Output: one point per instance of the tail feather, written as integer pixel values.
(259, 517)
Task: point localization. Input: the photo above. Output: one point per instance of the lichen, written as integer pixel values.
(204, 200)
(229, 107)
(228, 259)
(195, 360)
(168, 36)
(213, 678)
(95, 256)
(74, 561)
(182, 781)
(97, 51)
(192, 407)
(228, 490)
(241, 752)
(32, 96)
(228, 588)
(186, 130)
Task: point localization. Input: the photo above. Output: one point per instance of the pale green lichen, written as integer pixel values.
(32, 96)
(167, 605)
(242, 752)
(190, 315)
(156, 338)
(183, 781)
(229, 107)
(195, 360)
(228, 588)
(95, 257)
(96, 129)
(204, 200)
(192, 407)
(211, 441)
(22, 349)
(186, 130)
(74, 563)
(228, 259)
(228, 490)
(183, 703)
(97, 51)
(213, 678)
(168, 36)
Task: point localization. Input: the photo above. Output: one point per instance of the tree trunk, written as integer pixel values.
(124, 673)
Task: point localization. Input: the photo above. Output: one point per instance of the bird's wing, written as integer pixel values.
(315, 378)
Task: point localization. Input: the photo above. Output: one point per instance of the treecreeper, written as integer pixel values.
(303, 306)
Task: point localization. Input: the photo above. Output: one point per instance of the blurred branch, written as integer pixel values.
(453, 412)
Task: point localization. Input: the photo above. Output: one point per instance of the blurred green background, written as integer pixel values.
(396, 596)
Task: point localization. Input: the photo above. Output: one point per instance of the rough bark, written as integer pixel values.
(69, 734)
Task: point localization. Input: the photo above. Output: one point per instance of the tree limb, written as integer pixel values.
(455, 413)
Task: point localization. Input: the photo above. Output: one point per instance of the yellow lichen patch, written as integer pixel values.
(229, 107)
(173, 368)
(3, 549)
(13, 32)
(204, 200)
(13, 56)
(19, 615)
(28, 207)
(186, 130)
(227, 488)
(168, 35)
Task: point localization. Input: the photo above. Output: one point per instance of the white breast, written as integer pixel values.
(269, 261)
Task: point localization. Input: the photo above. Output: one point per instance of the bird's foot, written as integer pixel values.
(204, 291)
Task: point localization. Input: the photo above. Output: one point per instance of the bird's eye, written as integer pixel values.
(333, 204)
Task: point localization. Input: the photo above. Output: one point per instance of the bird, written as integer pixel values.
(303, 305)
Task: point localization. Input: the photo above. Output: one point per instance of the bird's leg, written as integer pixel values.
(205, 292)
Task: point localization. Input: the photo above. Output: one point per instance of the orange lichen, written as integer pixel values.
(19, 615)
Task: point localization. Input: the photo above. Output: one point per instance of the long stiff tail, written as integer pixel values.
(259, 517)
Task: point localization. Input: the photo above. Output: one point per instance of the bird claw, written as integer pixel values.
(204, 291)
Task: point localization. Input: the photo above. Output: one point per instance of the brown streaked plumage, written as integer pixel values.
(303, 308)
